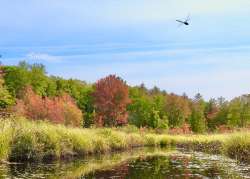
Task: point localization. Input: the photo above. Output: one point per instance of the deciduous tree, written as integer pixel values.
(111, 97)
(178, 110)
(6, 99)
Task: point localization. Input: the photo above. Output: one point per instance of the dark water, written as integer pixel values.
(138, 164)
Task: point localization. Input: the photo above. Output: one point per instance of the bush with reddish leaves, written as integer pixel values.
(185, 129)
(111, 98)
(225, 129)
(59, 110)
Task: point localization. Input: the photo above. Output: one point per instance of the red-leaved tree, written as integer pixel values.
(111, 97)
(60, 110)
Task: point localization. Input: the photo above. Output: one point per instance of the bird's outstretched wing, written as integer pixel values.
(180, 21)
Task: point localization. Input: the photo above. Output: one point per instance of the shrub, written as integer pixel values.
(72, 114)
(31, 105)
(224, 129)
(60, 110)
(185, 129)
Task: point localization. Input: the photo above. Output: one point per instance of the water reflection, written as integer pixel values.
(172, 166)
(136, 164)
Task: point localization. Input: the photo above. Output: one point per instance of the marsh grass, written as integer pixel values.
(23, 140)
(238, 147)
(5, 138)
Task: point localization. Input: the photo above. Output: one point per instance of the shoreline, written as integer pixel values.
(23, 140)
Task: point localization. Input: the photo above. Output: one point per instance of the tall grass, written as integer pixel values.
(238, 147)
(5, 138)
(23, 140)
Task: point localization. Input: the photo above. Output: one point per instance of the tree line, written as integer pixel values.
(28, 91)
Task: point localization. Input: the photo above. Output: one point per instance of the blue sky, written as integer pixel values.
(138, 40)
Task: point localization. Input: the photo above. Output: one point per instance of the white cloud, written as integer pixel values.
(43, 57)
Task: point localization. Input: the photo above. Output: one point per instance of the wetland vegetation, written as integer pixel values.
(24, 140)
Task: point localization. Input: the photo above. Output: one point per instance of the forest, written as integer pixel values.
(26, 90)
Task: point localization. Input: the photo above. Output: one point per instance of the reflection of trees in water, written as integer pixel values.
(150, 167)
(182, 167)
(161, 167)
(120, 171)
(128, 165)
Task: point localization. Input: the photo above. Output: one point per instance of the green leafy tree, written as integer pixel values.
(147, 111)
(16, 78)
(217, 113)
(197, 118)
(159, 103)
(6, 99)
(239, 111)
(178, 110)
(139, 109)
(211, 110)
(38, 79)
(86, 103)
(51, 89)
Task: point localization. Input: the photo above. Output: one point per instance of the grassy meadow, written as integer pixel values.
(25, 140)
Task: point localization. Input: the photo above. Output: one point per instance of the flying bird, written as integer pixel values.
(185, 22)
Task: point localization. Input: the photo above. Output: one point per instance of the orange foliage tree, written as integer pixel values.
(60, 110)
(111, 97)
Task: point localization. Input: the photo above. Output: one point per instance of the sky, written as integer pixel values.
(138, 40)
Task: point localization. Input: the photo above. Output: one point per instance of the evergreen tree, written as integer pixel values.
(197, 118)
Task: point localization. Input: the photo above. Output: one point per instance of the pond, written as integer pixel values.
(141, 163)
